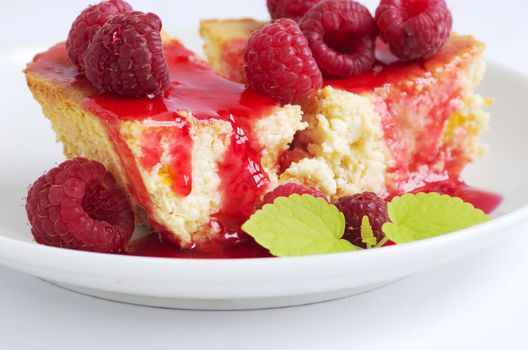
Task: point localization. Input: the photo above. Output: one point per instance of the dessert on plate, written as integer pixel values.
(326, 104)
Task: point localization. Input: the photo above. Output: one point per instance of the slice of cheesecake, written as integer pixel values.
(194, 161)
(390, 130)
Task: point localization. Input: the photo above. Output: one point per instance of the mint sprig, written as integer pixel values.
(305, 225)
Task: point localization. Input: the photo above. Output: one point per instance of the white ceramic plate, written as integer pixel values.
(27, 150)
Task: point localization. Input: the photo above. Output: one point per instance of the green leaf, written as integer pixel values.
(367, 235)
(425, 215)
(299, 225)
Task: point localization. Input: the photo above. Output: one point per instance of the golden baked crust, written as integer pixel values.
(80, 132)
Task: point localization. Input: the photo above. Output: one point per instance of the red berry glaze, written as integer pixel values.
(88, 23)
(414, 29)
(126, 56)
(293, 9)
(288, 189)
(78, 205)
(342, 36)
(279, 63)
(355, 208)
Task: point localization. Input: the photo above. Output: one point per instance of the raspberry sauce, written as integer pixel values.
(233, 245)
(177, 136)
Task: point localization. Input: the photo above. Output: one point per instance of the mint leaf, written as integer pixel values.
(367, 235)
(299, 225)
(425, 215)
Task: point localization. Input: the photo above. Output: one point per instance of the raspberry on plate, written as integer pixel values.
(414, 29)
(126, 56)
(355, 208)
(342, 36)
(88, 23)
(279, 62)
(78, 205)
(288, 189)
(293, 9)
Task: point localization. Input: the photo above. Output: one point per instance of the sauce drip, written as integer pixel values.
(176, 135)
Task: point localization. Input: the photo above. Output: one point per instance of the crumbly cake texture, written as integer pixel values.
(344, 145)
(420, 125)
(187, 219)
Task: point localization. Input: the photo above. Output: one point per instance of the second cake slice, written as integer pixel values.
(390, 130)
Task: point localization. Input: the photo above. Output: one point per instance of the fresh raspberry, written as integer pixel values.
(278, 62)
(414, 29)
(342, 36)
(355, 208)
(126, 56)
(293, 9)
(78, 205)
(288, 189)
(88, 23)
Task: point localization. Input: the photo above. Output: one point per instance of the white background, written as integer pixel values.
(480, 302)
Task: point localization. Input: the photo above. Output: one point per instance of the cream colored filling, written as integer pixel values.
(345, 141)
